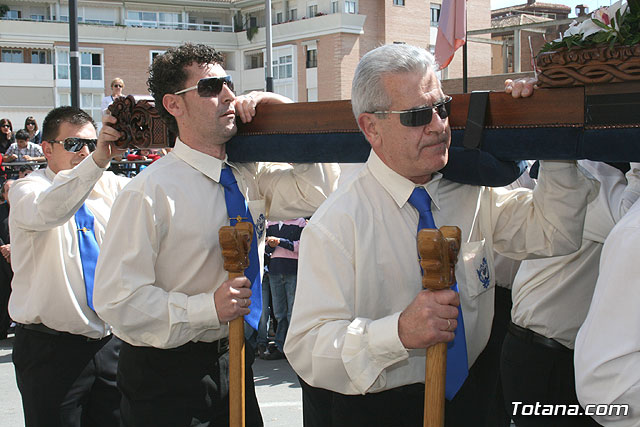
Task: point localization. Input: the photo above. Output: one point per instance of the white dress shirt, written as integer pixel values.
(551, 296)
(607, 352)
(506, 268)
(161, 259)
(48, 283)
(359, 267)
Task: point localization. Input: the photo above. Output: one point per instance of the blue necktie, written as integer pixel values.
(237, 207)
(89, 249)
(457, 363)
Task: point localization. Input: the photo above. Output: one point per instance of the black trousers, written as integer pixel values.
(498, 415)
(534, 373)
(5, 292)
(5, 320)
(66, 380)
(185, 386)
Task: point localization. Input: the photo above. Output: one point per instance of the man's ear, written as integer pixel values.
(174, 104)
(367, 123)
(47, 149)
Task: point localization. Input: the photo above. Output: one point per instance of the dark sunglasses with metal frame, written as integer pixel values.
(209, 86)
(74, 145)
(422, 116)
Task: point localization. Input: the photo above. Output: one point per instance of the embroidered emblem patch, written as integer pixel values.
(260, 224)
(483, 273)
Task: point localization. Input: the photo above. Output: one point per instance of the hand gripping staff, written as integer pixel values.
(236, 243)
(438, 250)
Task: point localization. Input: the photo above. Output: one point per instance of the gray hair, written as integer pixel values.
(367, 91)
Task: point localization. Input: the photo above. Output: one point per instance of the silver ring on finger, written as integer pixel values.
(448, 324)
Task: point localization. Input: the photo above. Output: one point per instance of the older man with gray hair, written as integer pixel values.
(361, 322)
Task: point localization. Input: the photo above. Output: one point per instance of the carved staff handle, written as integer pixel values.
(438, 251)
(236, 243)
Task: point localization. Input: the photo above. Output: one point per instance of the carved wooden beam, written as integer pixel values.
(596, 65)
(594, 122)
(140, 123)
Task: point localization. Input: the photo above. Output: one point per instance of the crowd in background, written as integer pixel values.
(23, 147)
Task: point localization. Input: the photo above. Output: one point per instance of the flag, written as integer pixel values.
(452, 30)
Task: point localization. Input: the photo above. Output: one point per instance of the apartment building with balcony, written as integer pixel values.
(523, 30)
(316, 44)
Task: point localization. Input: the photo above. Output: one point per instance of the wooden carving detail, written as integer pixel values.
(236, 244)
(438, 250)
(140, 123)
(578, 67)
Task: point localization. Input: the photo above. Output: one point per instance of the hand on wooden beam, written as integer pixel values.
(245, 105)
(106, 148)
(520, 88)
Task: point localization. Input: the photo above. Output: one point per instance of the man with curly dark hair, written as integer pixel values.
(172, 307)
(168, 73)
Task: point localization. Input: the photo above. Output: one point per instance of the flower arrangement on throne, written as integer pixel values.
(603, 48)
(615, 24)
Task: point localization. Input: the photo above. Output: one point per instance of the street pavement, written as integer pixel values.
(277, 389)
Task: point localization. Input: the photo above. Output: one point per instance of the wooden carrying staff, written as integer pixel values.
(236, 244)
(438, 250)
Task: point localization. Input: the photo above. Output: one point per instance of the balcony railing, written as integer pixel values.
(139, 23)
(178, 26)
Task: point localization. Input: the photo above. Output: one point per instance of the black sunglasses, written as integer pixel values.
(76, 144)
(5, 126)
(422, 116)
(210, 86)
(118, 86)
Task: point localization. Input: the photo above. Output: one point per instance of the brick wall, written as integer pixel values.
(131, 64)
(408, 23)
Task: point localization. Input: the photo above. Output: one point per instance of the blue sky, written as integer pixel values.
(592, 4)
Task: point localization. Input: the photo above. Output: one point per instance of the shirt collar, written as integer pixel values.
(399, 187)
(208, 165)
(49, 173)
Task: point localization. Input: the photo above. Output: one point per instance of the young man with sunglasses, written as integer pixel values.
(165, 291)
(64, 355)
(360, 321)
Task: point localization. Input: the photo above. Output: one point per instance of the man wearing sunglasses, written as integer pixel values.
(64, 355)
(361, 322)
(165, 292)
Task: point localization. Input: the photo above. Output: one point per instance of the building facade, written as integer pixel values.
(527, 23)
(316, 44)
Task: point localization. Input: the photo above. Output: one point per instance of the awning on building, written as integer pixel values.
(25, 45)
